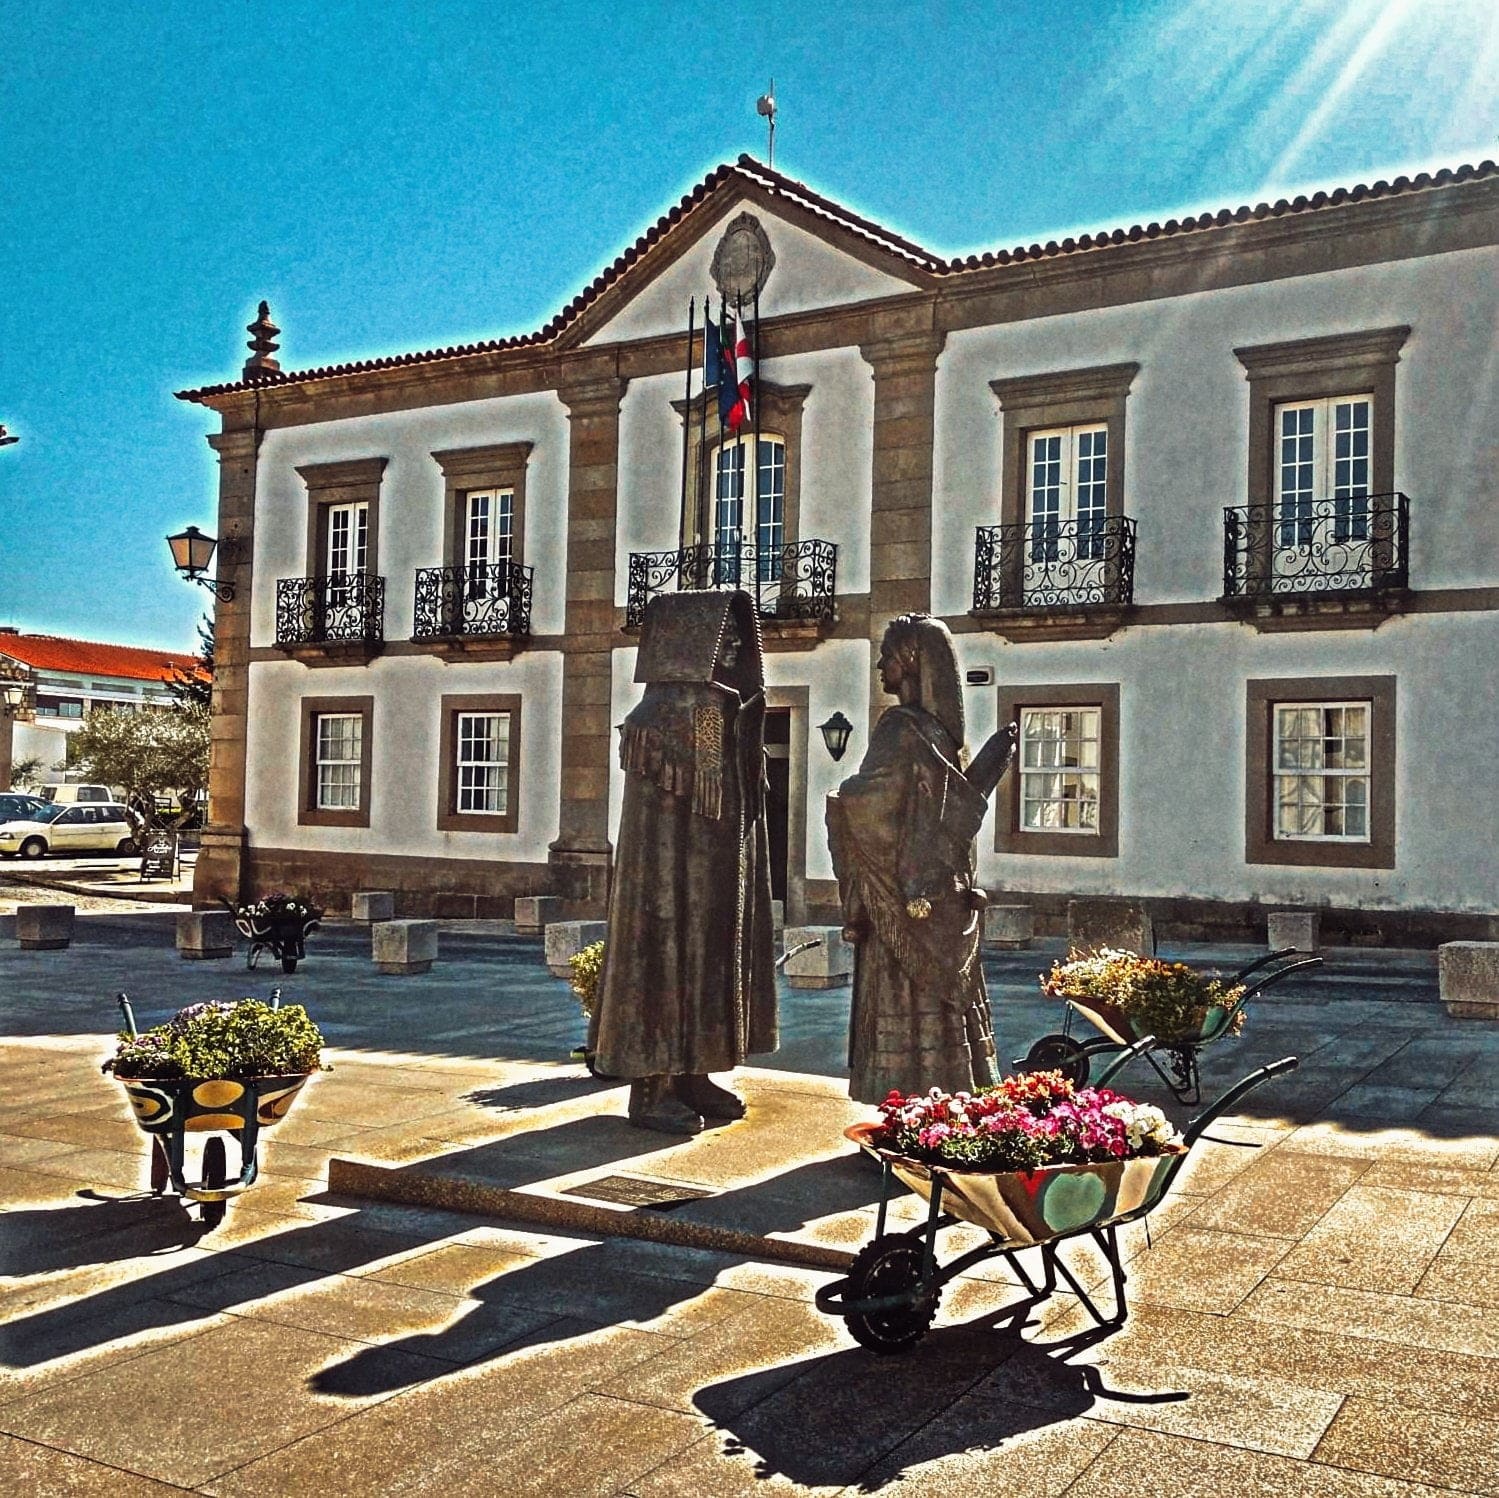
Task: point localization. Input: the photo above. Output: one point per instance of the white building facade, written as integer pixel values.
(1210, 507)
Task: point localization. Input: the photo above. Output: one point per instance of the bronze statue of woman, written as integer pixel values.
(688, 985)
(901, 833)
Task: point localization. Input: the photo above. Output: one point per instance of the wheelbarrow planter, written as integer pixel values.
(890, 1294)
(168, 1109)
(279, 925)
(1062, 1051)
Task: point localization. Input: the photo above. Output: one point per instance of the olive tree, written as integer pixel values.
(148, 755)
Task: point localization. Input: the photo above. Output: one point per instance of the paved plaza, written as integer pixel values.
(1314, 1311)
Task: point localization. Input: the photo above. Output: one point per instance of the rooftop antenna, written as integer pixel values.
(766, 105)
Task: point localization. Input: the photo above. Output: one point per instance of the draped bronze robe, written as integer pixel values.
(901, 830)
(689, 971)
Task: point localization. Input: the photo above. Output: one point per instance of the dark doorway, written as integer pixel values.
(778, 802)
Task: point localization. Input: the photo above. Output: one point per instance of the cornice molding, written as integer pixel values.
(477, 462)
(1067, 386)
(1374, 346)
(343, 475)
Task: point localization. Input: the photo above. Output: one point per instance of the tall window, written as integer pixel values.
(482, 744)
(1060, 779)
(488, 539)
(339, 758)
(756, 519)
(348, 538)
(1322, 772)
(1067, 487)
(1324, 469)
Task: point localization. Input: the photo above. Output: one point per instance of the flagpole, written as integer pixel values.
(755, 397)
(686, 425)
(744, 487)
(702, 433)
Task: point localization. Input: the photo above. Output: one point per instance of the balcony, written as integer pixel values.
(475, 612)
(1055, 579)
(334, 618)
(793, 585)
(1310, 563)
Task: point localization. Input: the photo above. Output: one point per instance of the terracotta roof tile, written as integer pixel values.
(774, 183)
(91, 658)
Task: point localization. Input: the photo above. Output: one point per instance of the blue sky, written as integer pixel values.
(396, 175)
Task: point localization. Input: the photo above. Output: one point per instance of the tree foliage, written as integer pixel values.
(195, 688)
(147, 754)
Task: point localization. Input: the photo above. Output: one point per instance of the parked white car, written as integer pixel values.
(58, 828)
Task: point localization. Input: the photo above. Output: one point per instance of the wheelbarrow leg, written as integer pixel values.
(160, 1169)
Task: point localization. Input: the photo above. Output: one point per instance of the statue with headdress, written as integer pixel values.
(688, 985)
(901, 832)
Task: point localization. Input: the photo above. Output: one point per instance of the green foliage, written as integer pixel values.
(588, 968)
(146, 753)
(236, 1040)
(1166, 999)
(25, 774)
(195, 688)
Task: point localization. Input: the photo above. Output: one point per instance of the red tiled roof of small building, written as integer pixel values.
(94, 658)
(777, 185)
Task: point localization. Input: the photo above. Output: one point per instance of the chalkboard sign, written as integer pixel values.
(159, 856)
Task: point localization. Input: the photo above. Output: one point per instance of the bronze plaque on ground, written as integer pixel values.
(635, 1191)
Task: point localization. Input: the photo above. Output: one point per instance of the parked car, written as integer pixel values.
(18, 804)
(78, 795)
(59, 828)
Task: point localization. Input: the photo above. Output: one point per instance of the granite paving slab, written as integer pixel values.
(31, 1469)
(1449, 1451)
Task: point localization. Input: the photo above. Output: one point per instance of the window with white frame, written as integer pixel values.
(1323, 470)
(1321, 771)
(488, 540)
(1060, 779)
(482, 766)
(1067, 492)
(753, 518)
(338, 760)
(348, 538)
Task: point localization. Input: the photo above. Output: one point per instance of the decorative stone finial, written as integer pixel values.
(263, 344)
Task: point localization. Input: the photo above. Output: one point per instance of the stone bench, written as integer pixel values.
(1467, 977)
(1121, 924)
(830, 964)
(1301, 929)
(204, 934)
(44, 928)
(404, 948)
(534, 913)
(371, 905)
(1012, 927)
(565, 939)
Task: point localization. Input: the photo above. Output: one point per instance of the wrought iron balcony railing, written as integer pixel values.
(1054, 565)
(1306, 547)
(472, 601)
(795, 581)
(340, 607)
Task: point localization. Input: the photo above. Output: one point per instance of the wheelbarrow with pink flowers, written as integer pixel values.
(1034, 1162)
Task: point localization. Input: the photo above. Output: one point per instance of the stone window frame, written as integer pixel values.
(449, 818)
(499, 465)
(1009, 836)
(781, 408)
(1064, 398)
(1261, 846)
(1316, 368)
(309, 814)
(353, 481)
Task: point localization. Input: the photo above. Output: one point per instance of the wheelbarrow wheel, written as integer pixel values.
(1059, 1053)
(591, 1061)
(288, 964)
(215, 1175)
(891, 1265)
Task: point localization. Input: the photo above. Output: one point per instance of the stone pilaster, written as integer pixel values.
(220, 869)
(580, 856)
(900, 521)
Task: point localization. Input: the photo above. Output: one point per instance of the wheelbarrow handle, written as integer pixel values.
(1276, 976)
(1260, 962)
(1123, 1059)
(1245, 1085)
(123, 1000)
(791, 952)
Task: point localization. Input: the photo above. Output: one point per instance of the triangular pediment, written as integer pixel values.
(823, 257)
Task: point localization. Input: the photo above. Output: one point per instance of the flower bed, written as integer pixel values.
(1137, 996)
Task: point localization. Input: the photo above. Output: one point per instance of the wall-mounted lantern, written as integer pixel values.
(192, 551)
(835, 734)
